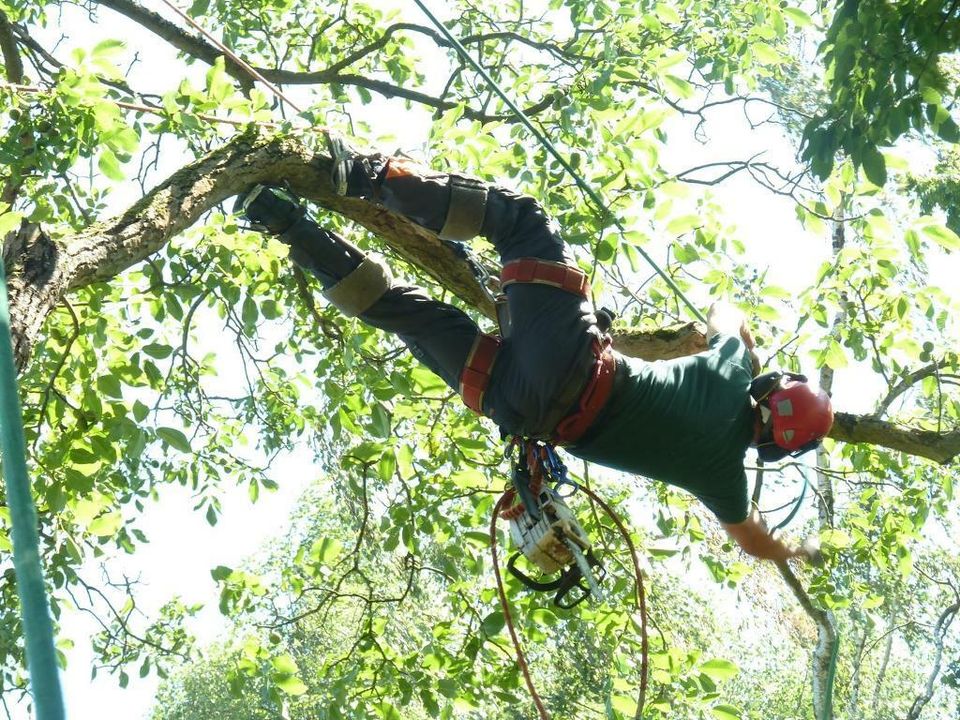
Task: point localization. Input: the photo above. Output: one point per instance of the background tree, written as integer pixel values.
(122, 262)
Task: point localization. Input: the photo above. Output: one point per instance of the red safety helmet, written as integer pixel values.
(799, 416)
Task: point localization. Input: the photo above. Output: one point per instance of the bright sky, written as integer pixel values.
(184, 547)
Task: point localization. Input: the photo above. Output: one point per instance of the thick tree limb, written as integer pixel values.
(941, 447)
(43, 271)
(12, 63)
(197, 47)
(13, 68)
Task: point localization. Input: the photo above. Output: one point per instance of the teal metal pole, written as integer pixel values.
(34, 610)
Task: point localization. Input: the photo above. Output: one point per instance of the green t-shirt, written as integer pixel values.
(687, 422)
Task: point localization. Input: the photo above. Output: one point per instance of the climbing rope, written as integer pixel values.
(34, 609)
(550, 148)
(640, 602)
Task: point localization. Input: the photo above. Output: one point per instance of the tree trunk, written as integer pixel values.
(881, 674)
(853, 703)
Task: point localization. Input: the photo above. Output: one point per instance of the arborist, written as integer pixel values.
(687, 422)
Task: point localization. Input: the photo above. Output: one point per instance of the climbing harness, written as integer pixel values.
(543, 528)
(34, 608)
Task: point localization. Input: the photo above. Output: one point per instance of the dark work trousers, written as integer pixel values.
(552, 331)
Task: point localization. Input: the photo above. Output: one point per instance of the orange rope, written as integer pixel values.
(508, 618)
(640, 599)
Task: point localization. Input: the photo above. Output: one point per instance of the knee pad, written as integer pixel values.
(468, 205)
(359, 290)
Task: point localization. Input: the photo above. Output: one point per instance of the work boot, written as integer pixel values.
(269, 209)
(353, 175)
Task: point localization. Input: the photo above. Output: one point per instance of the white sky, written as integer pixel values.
(184, 547)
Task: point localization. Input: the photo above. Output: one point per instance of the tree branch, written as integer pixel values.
(939, 634)
(11, 53)
(906, 383)
(13, 66)
(826, 632)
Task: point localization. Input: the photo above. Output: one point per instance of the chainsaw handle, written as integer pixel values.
(528, 581)
(570, 580)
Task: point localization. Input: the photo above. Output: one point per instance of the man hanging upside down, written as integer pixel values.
(687, 422)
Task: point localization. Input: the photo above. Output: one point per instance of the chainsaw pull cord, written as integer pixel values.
(639, 599)
(507, 617)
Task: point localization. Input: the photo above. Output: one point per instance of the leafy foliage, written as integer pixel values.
(209, 362)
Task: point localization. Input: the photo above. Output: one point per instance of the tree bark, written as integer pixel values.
(43, 271)
(856, 677)
(882, 672)
(10, 52)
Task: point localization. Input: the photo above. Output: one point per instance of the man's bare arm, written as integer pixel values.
(752, 535)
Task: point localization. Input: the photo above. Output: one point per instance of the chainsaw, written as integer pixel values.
(545, 531)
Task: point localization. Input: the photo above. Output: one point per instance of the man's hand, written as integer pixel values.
(755, 539)
(809, 550)
(725, 318)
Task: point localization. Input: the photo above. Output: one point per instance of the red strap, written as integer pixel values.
(544, 272)
(594, 397)
(475, 375)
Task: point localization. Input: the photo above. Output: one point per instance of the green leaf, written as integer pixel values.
(175, 439)
(624, 704)
(109, 385)
(493, 623)
(835, 538)
(766, 54)
(107, 524)
(719, 669)
(684, 223)
(140, 411)
(798, 17)
(834, 356)
(325, 550)
(942, 235)
(158, 351)
(386, 711)
(9, 221)
(285, 664)
(678, 86)
(109, 165)
(221, 572)
(874, 165)
(293, 686)
(725, 712)
(108, 47)
(250, 313)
